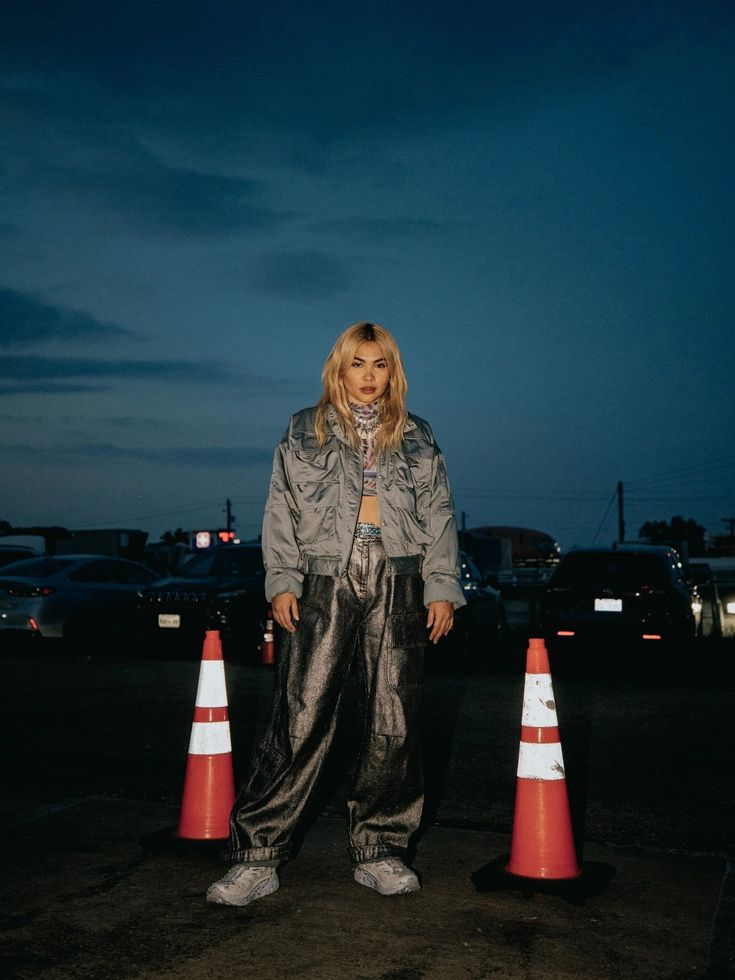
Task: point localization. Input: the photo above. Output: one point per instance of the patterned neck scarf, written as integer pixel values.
(367, 423)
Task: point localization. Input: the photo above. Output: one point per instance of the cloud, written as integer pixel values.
(381, 230)
(303, 275)
(48, 388)
(26, 320)
(298, 81)
(22, 368)
(47, 375)
(146, 192)
(216, 457)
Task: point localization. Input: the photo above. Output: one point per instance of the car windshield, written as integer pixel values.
(614, 571)
(224, 562)
(37, 567)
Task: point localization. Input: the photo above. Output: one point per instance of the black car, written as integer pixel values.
(478, 624)
(629, 592)
(220, 588)
(14, 552)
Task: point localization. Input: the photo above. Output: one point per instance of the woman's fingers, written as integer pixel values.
(440, 620)
(285, 608)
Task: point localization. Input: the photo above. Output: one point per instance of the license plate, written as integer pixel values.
(608, 605)
(169, 621)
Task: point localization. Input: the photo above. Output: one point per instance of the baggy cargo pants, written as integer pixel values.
(375, 611)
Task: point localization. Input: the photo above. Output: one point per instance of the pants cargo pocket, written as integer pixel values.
(404, 668)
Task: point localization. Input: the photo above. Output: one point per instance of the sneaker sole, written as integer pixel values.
(365, 878)
(265, 888)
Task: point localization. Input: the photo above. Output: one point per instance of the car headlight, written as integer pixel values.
(697, 607)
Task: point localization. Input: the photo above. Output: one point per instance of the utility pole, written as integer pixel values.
(731, 522)
(462, 536)
(621, 516)
(229, 515)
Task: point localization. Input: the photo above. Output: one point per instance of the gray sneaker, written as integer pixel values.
(389, 876)
(243, 884)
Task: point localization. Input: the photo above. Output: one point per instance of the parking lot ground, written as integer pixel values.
(87, 893)
(94, 771)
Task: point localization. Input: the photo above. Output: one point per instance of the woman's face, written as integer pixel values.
(366, 378)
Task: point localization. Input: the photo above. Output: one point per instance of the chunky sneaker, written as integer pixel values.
(243, 884)
(389, 876)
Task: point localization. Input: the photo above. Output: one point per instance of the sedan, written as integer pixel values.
(220, 588)
(633, 593)
(72, 597)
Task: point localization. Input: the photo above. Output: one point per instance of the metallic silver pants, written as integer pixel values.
(376, 612)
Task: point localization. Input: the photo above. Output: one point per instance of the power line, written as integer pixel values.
(190, 509)
(609, 508)
(694, 469)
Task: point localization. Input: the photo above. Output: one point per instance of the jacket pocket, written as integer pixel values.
(317, 493)
(316, 523)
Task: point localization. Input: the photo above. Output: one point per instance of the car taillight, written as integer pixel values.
(30, 591)
(652, 636)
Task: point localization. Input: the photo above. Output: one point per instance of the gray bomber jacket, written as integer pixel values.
(314, 500)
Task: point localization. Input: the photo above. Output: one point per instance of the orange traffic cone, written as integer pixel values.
(268, 648)
(209, 789)
(542, 845)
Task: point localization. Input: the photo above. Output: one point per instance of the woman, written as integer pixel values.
(359, 541)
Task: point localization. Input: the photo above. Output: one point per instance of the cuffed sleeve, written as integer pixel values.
(440, 568)
(281, 556)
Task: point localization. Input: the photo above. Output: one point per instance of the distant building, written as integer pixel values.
(115, 542)
(497, 548)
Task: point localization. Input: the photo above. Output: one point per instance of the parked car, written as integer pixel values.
(723, 584)
(74, 597)
(628, 592)
(14, 552)
(476, 625)
(219, 588)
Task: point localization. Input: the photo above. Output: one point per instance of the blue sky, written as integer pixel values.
(536, 199)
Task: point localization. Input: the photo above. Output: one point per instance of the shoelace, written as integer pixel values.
(235, 874)
(393, 865)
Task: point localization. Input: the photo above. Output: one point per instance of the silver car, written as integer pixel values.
(70, 596)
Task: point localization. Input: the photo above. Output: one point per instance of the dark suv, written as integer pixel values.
(221, 588)
(635, 592)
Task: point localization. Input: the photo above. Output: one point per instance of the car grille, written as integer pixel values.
(178, 598)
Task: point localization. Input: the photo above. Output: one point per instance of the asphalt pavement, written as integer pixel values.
(95, 885)
(99, 888)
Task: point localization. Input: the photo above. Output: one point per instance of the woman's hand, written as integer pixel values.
(285, 608)
(441, 619)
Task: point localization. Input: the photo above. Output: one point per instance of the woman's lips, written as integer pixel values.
(367, 391)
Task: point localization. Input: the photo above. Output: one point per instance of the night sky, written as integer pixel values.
(535, 198)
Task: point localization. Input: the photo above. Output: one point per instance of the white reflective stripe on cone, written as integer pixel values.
(539, 707)
(540, 761)
(210, 738)
(212, 690)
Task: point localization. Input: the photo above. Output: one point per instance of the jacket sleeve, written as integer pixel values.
(440, 567)
(281, 557)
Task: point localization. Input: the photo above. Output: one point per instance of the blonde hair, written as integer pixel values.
(393, 415)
